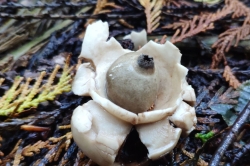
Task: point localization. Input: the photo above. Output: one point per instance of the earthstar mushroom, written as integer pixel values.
(123, 85)
(132, 82)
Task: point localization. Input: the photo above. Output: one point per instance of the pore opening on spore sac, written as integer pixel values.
(145, 61)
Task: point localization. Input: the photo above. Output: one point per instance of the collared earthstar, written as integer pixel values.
(144, 88)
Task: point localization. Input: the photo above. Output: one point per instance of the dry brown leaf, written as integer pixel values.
(152, 11)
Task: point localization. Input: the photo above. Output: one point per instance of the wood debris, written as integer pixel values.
(199, 30)
(34, 128)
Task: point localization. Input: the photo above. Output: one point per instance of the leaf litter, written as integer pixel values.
(218, 71)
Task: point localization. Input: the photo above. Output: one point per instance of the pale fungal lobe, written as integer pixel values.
(125, 86)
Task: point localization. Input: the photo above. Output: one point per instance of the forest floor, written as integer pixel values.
(40, 43)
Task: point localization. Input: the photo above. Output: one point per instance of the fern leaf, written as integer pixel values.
(152, 11)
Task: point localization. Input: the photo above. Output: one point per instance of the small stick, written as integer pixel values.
(34, 128)
(52, 5)
(231, 135)
(46, 16)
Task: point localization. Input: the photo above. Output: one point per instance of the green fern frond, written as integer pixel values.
(20, 97)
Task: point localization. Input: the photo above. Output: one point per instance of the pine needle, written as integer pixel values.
(152, 11)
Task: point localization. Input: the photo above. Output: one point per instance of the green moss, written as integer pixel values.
(205, 137)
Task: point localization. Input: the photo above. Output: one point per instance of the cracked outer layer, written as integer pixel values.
(132, 82)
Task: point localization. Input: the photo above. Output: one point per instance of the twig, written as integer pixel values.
(34, 128)
(47, 16)
(244, 150)
(231, 135)
(51, 5)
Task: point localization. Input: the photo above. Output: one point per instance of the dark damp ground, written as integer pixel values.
(208, 84)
